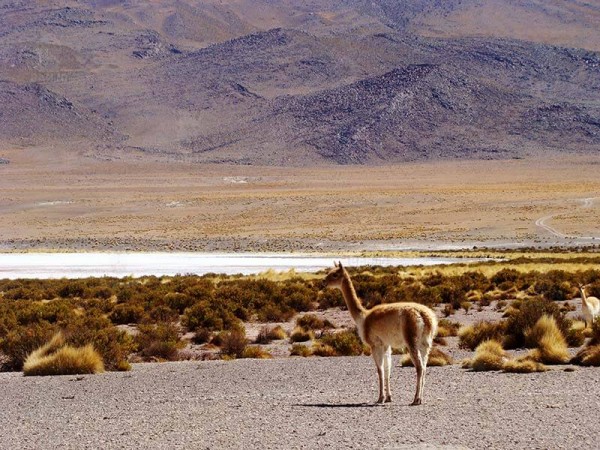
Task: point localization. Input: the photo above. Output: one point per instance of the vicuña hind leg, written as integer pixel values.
(379, 358)
(417, 359)
(388, 370)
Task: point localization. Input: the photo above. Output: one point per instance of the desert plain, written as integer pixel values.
(61, 200)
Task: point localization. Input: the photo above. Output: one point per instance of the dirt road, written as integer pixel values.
(297, 403)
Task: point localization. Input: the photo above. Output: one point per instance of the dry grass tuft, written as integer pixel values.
(300, 350)
(56, 358)
(320, 349)
(301, 335)
(524, 365)
(447, 328)
(489, 355)
(551, 345)
(255, 352)
(436, 358)
(472, 336)
(268, 334)
(588, 356)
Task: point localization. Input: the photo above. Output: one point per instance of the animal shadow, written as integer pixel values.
(338, 405)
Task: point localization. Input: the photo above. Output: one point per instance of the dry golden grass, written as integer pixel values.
(300, 350)
(489, 355)
(255, 352)
(320, 349)
(523, 366)
(436, 358)
(447, 328)
(301, 335)
(551, 345)
(268, 334)
(588, 356)
(471, 336)
(56, 358)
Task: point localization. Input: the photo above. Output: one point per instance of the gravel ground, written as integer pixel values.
(298, 403)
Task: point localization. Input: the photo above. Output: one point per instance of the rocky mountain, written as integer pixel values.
(300, 83)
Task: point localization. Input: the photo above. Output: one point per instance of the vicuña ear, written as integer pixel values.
(335, 264)
(340, 264)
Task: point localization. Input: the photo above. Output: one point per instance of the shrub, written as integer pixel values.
(301, 335)
(473, 335)
(126, 313)
(211, 316)
(320, 349)
(201, 336)
(595, 339)
(113, 344)
(234, 342)
(448, 310)
(255, 352)
(310, 322)
(447, 328)
(22, 340)
(529, 312)
(268, 334)
(56, 358)
(466, 306)
(275, 313)
(344, 343)
(300, 350)
(551, 346)
(330, 298)
(160, 341)
(489, 355)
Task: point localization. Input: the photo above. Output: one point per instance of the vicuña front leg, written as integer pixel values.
(388, 370)
(379, 357)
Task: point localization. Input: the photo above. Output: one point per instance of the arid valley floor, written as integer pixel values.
(59, 200)
(305, 403)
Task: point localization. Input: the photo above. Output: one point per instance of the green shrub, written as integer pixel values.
(22, 340)
(344, 343)
(201, 336)
(213, 317)
(126, 313)
(114, 345)
(234, 342)
(159, 340)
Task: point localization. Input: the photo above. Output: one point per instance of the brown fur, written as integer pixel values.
(387, 326)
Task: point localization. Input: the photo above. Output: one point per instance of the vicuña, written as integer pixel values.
(590, 306)
(393, 325)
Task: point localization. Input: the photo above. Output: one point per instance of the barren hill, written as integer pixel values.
(301, 83)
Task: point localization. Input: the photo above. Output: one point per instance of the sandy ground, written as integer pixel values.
(297, 403)
(71, 202)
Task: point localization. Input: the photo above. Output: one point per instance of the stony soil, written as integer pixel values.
(297, 403)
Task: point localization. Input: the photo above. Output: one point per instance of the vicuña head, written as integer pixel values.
(387, 326)
(335, 276)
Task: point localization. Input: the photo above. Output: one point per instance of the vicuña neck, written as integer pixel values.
(583, 296)
(352, 301)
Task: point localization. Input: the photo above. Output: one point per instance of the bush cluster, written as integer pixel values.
(95, 310)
